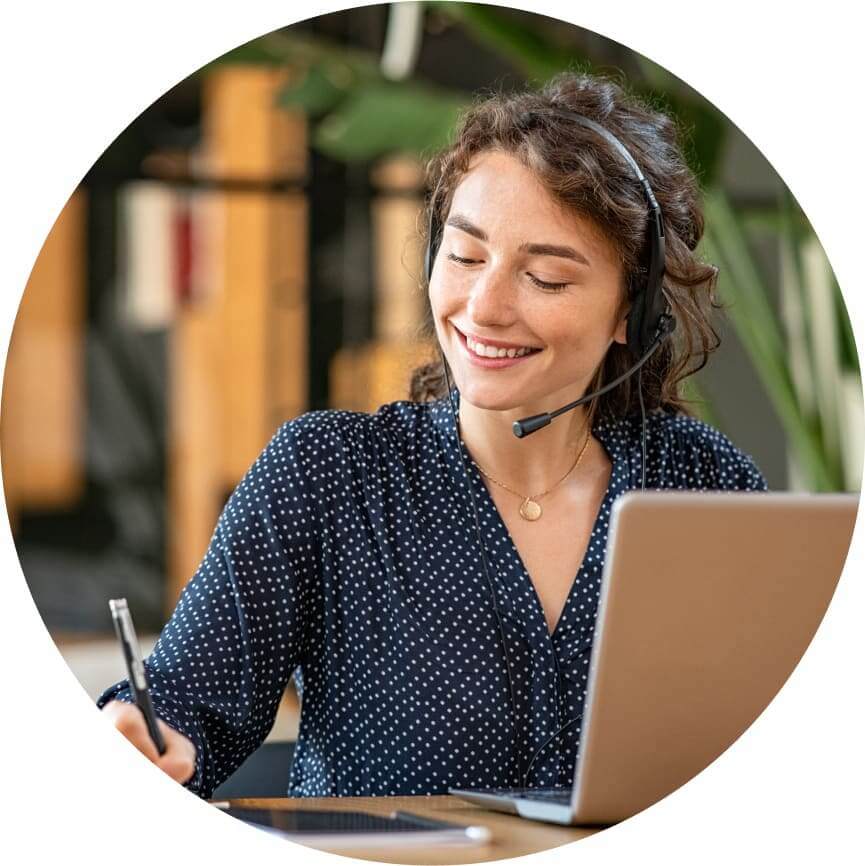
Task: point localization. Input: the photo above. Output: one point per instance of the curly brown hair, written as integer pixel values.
(586, 174)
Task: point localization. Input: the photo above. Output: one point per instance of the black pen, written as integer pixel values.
(135, 668)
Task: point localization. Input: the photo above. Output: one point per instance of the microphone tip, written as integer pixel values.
(525, 426)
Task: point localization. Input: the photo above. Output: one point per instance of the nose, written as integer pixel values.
(492, 300)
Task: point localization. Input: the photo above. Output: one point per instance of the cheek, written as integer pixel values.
(580, 328)
(437, 305)
(443, 297)
(434, 294)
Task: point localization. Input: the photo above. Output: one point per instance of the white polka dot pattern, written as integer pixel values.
(348, 556)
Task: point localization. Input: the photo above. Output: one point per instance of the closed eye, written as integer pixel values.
(541, 284)
(547, 287)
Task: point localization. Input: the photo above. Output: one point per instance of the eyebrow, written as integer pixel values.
(458, 221)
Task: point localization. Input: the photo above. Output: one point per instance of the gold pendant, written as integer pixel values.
(530, 510)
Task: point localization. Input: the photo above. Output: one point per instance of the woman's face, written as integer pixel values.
(518, 277)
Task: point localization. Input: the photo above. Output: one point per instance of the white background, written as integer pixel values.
(74, 75)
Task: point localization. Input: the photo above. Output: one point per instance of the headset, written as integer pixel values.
(649, 320)
(649, 323)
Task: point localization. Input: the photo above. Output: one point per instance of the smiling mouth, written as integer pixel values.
(483, 350)
(488, 352)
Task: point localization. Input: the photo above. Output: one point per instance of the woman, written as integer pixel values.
(432, 579)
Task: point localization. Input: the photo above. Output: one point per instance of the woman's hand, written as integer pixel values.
(179, 758)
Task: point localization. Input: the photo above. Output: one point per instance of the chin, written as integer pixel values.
(490, 405)
(523, 402)
(496, 399)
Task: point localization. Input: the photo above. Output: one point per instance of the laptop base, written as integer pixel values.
(540, 804)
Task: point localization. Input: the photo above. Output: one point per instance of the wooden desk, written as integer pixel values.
(511, 836)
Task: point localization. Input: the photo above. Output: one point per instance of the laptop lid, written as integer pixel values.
(707, 603)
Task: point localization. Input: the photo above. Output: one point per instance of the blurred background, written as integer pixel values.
(246, 251)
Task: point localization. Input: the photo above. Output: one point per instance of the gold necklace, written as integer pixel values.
(530, 509)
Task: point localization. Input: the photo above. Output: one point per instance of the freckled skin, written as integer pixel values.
(495, 297)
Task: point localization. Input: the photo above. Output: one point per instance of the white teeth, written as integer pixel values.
(494, 352)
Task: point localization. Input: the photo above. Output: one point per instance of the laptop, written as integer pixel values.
(708, 601)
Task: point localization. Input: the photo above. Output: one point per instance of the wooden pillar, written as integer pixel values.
(41, 433)
(365, 377)
(239, 349)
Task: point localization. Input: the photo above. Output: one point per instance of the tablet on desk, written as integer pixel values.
(333, 829)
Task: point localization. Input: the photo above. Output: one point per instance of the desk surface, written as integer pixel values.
(511, 836)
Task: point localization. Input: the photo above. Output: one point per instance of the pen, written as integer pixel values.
(473, 833)
(135, 667)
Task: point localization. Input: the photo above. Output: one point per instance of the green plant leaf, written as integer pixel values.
(383, 118)
(757, 327)
(849, 355)
(514, 41)
(316, 92)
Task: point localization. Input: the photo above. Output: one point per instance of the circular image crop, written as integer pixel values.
(464, 411)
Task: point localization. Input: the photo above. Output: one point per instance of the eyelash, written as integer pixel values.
(541, 284)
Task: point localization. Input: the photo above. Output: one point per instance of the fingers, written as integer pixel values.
(178, 761)
(128, 719)
(179, 758)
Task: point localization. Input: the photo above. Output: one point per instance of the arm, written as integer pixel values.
(223, 660)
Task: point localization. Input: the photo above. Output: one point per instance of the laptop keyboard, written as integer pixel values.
(550, 795)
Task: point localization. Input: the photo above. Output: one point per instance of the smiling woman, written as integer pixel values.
(431, 580)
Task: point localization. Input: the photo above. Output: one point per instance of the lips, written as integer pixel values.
(490, 351)
(494, 353)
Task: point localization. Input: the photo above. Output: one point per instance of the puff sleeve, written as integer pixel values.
(223, 660)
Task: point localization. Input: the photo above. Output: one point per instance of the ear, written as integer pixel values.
(620, 335)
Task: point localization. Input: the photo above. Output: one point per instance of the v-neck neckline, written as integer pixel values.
(487, 504)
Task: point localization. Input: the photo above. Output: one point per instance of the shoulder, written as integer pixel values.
(685, 453)
(397, 419)
(334, 436)
(702, 457)
(318, 458)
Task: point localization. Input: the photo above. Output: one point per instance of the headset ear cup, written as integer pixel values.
(635, 324)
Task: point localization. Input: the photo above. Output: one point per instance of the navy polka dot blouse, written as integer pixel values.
(348, 557)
